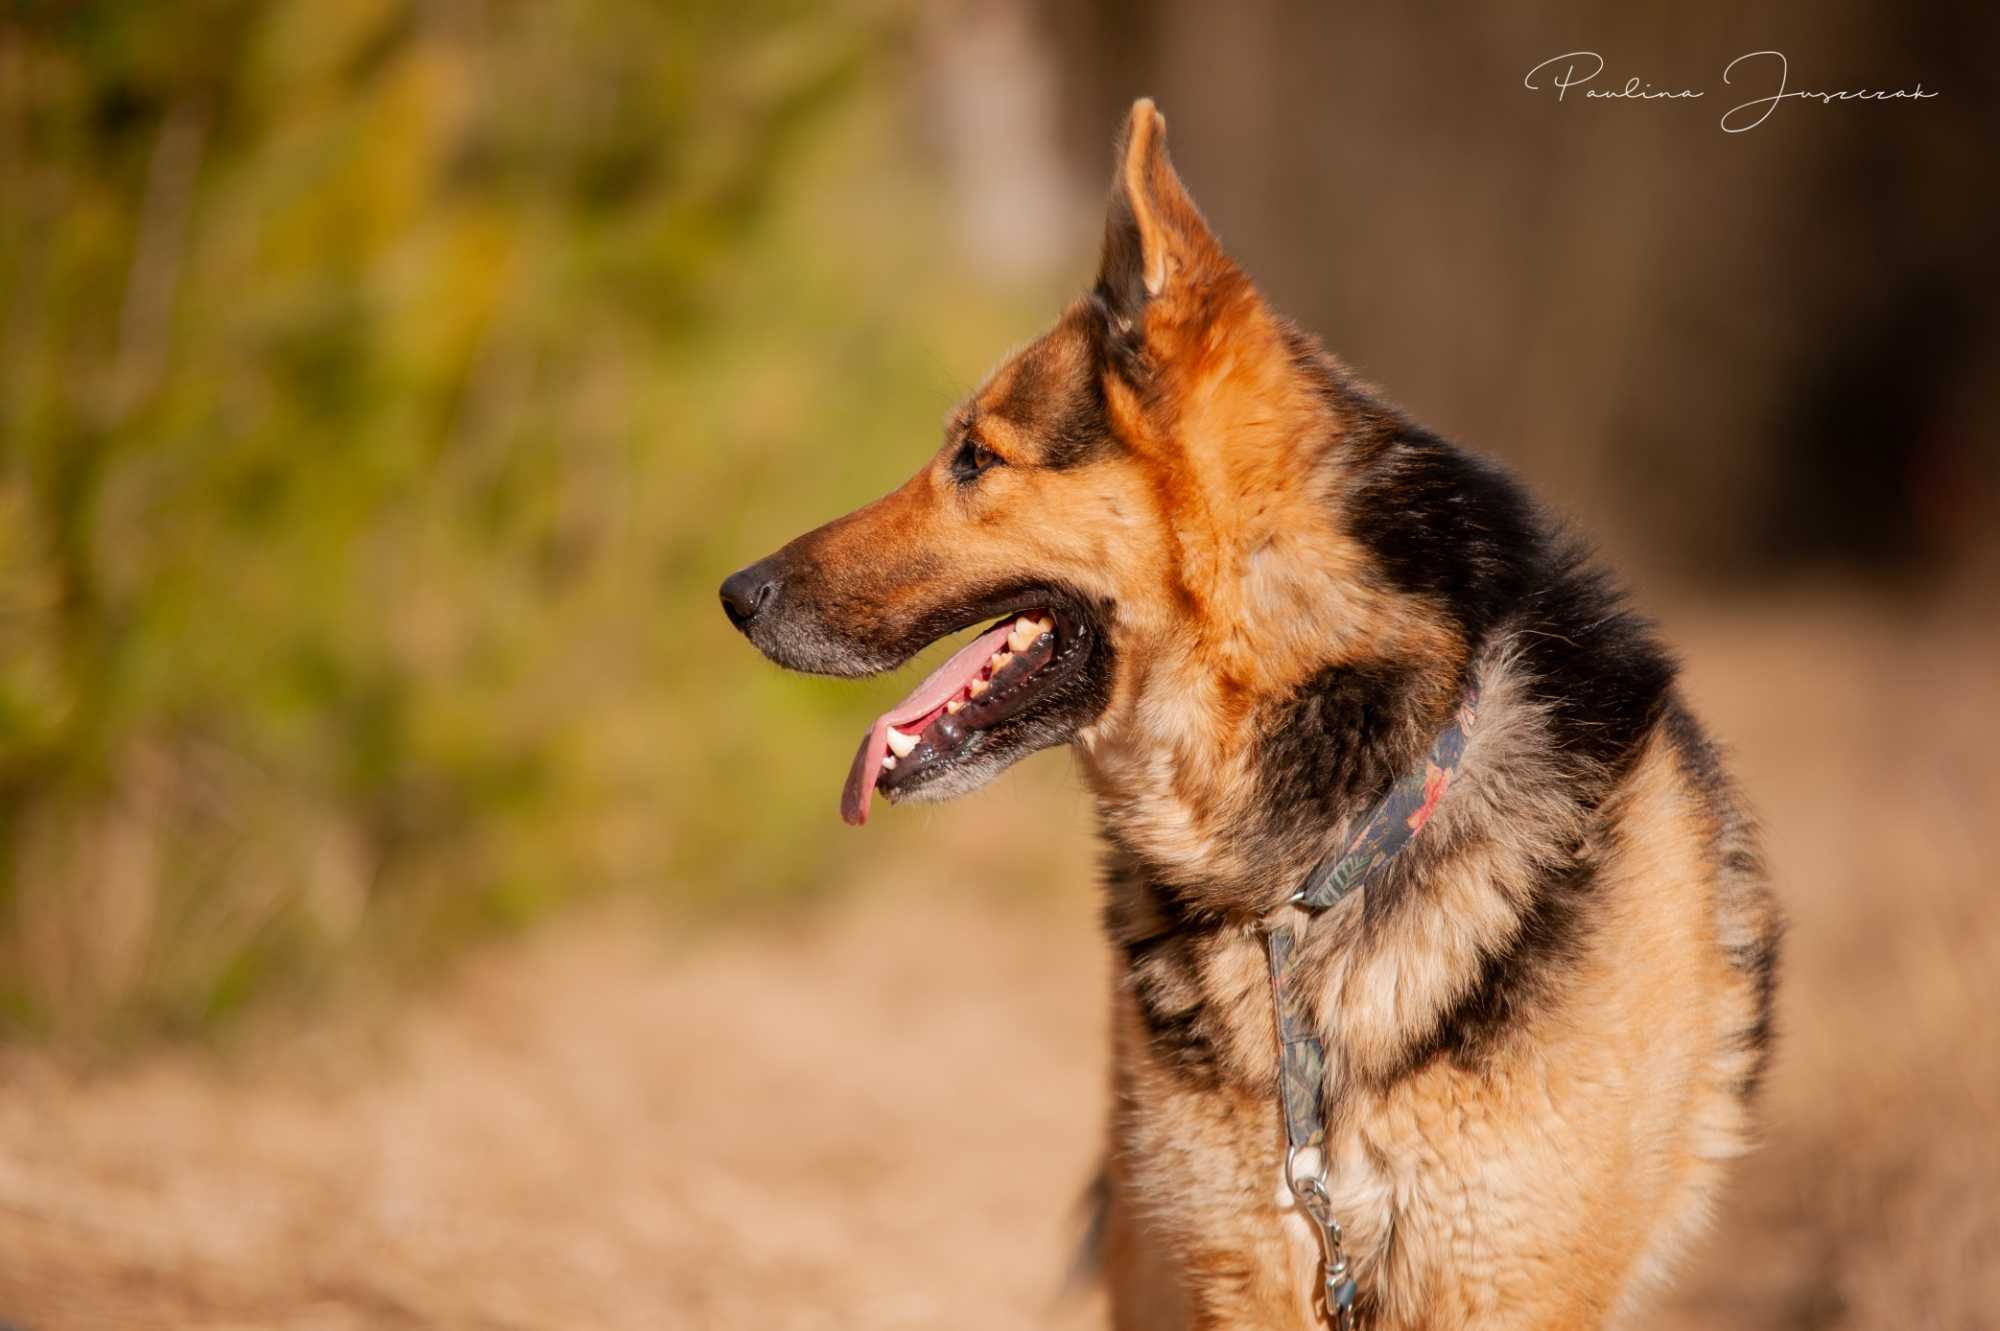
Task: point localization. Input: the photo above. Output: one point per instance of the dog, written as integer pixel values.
(1251, 597)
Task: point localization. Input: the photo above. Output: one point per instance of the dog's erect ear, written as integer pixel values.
(1154, 236)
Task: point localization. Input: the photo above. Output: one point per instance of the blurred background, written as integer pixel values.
(418, 907)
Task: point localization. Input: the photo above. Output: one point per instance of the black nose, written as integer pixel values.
(747, 591)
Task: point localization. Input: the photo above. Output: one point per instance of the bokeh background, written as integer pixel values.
(418, 908)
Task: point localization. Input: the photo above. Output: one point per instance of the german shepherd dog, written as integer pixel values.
(1249, 594)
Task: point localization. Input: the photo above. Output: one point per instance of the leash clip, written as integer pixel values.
(1337, 1287)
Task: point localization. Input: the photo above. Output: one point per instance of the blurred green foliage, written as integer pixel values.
(384, 388)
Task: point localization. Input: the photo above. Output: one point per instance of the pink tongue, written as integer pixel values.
(938, 688)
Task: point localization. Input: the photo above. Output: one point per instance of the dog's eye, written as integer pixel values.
(971, 459)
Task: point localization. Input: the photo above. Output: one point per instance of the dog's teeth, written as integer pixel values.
(954, 706)
(977, 687)
(1001, 660)
(888, 762)
(901, 743)
(1044, 624)
(1024, 633)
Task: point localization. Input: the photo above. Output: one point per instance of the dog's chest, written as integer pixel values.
(1199, 1127)
(1201, 1148)
(1425, 1194)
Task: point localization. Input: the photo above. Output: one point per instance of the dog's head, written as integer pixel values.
(1134, 498)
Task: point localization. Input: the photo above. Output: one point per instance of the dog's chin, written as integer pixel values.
(961, 776)
(985, 755)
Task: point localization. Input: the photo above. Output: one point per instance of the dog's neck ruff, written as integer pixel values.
(1381, 834)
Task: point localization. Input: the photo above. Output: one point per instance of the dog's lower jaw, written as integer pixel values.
(977, 766)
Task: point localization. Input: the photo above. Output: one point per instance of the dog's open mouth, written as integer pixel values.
(993, 679)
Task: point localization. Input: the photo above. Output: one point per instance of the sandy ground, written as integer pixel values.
(881, 1116)
(594, 1129)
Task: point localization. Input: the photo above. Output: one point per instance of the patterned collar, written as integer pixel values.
(1394, 822)
(1381, 835)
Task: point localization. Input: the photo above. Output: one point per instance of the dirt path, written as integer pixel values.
(831, 1129)
(881, 1117)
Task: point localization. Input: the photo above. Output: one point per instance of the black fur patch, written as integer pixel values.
(1597, 667)
(1759, 961)
(1458, 531)
(1121, 272)
(1118, 340)
(1334, 747)
(1516, 976)
(1735, 850)
(1445, 525)
(1161, 944)
(1065, 414)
